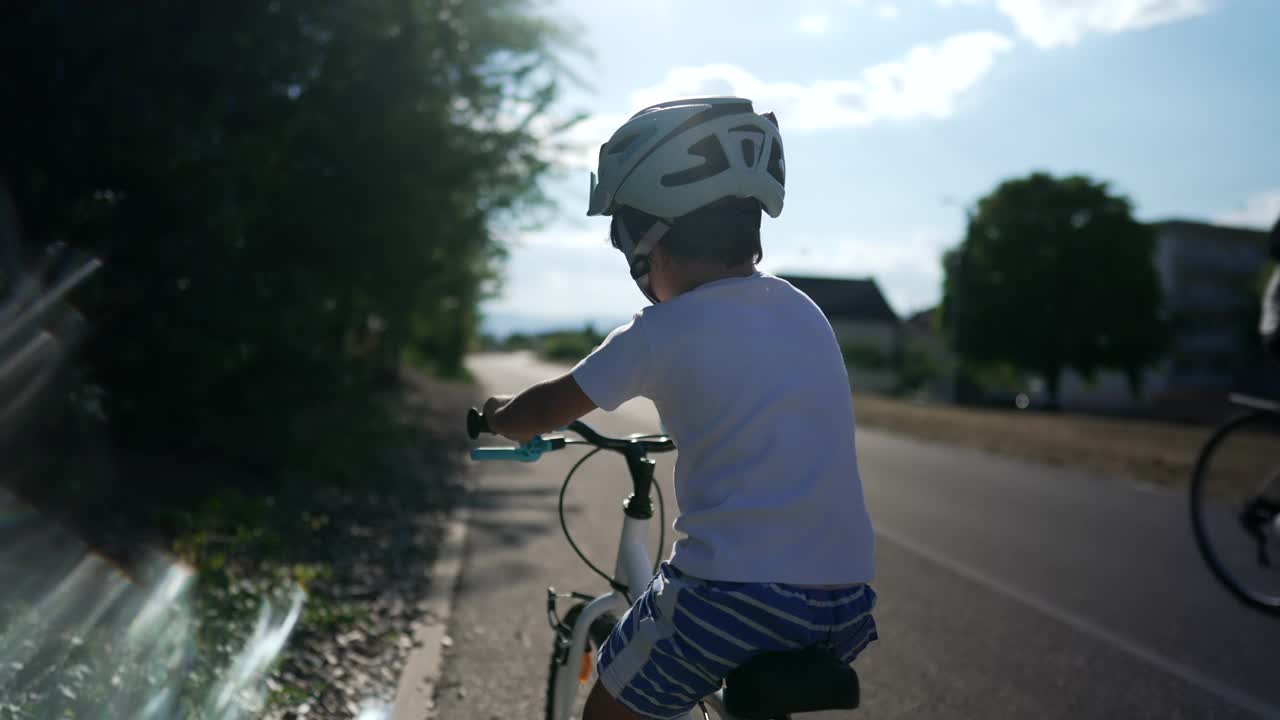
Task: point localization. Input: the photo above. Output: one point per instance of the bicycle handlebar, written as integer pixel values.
(651, 443)
(533, 450)
(529, 452)
(476, 424)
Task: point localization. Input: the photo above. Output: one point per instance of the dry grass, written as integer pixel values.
(1154, 452)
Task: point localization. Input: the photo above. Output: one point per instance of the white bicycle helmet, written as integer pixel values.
(678, 156)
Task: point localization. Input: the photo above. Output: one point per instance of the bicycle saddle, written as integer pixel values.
(776, 684)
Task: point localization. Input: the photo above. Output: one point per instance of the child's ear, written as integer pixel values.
(660, 257)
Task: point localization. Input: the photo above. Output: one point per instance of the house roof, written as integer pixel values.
(1209, 231)
(926, 320)
(846, 298)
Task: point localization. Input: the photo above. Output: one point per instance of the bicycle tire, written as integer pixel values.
(1200, 478)
(598, 634)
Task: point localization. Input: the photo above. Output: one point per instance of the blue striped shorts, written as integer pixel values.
(684, 634)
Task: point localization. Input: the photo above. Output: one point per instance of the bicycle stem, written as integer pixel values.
(639, 505)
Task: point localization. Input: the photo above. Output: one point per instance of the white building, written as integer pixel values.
(1208, 273)
(862, 319)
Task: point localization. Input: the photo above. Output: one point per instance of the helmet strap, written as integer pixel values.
(638, 258)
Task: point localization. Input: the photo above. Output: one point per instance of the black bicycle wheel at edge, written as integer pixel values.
(1238, 470)
(599, 633)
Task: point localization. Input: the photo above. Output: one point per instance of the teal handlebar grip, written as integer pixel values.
(529, 452)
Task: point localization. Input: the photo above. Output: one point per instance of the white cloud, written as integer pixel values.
(926, 82)
(908, 268)
(1058, 23)
(560, 238)
(813, 24)
(549, 272)
(579, 147)
(888, 11)
(918, 250)
(1260, 210)
(569, 275)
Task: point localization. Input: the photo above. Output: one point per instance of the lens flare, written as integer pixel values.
(83, 638)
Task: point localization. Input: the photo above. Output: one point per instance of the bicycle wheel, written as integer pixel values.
(1235, 507)
(583, 667)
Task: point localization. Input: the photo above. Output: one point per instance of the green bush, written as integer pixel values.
(519, 341)
(919, 366)
(274, 243)
(863, 355)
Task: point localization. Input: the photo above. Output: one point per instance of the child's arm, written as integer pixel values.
(544, 407)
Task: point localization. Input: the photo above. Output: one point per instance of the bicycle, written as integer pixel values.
(1236, 486)
(770, 686)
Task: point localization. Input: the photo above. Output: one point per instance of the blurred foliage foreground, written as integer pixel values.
(287, 198)
(294, 599)
(559, 346)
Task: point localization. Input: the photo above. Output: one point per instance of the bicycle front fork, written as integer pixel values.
(1261, 519)
(553, 615)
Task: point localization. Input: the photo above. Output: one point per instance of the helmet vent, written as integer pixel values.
(751, 142)
(714, 163)
(776, 167)
(623, 145)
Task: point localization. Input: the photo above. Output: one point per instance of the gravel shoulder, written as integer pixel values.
(1158, 453)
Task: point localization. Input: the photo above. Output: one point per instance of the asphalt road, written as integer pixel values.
(1007, 588)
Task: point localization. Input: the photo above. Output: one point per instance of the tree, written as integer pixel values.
(1055, 273)
(285, 195)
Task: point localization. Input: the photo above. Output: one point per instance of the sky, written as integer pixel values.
(897, 115)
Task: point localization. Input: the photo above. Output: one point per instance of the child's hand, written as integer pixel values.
(491, 408)
(492, 404)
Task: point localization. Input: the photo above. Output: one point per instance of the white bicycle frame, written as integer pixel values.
(634, 567)
(631, 568)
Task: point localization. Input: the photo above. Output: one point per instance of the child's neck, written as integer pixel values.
(697, 274)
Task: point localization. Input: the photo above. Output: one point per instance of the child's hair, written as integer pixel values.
(727, 231)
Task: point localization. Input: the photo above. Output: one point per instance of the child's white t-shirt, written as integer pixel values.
(749, 381)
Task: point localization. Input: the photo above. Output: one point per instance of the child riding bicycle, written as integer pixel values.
(1269, 327)
(775, 550)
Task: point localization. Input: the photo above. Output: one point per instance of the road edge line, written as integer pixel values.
(1229, 694)
(420, 675)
